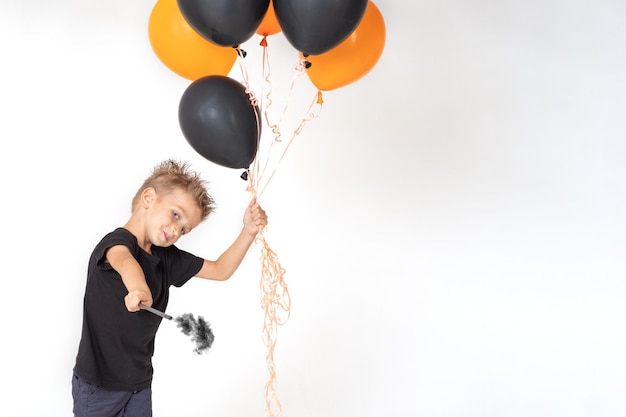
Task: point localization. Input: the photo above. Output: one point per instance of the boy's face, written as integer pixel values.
(172, 215)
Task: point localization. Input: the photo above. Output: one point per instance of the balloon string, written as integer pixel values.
(266, 71)
(299, 71)
(275, 298)
(246, 79)
(253, 101)
(276, 304)
(275, 301)
(275, 127)
(313, 112)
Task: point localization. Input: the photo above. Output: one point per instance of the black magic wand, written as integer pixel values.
(155, 311)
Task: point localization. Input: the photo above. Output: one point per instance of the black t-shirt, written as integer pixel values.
(116, 346)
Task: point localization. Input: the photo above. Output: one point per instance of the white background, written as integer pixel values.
(452, 224)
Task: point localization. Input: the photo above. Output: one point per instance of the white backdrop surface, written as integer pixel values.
(452, 224)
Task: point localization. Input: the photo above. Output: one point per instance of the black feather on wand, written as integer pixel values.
(199, 330)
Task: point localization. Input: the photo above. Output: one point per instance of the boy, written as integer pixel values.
(135, 265)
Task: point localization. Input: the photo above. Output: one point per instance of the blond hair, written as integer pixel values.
(171, 175)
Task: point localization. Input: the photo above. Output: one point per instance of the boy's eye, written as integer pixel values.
(175, 214)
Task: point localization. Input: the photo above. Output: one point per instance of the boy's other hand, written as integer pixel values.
(255, 218)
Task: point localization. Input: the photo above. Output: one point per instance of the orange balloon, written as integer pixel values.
(181, 48)
(352, 58)
(269, 25)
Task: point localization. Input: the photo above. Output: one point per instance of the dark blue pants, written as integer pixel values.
(93, 401)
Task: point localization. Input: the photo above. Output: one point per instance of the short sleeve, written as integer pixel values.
(119, 236)
(180, 265)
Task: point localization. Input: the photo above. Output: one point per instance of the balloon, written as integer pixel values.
(269, 24)
(181, 48)
(352, 58)
(219, 121)
(224, 22)
(316, 26)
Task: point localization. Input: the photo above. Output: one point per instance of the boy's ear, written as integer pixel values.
(147, 197)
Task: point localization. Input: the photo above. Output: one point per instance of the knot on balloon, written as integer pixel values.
(320, 101)
(240, 52)
(263, 42)
(244, 175)
(301, 66)
(305, 61)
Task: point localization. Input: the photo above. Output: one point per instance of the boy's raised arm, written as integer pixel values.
(254, 220)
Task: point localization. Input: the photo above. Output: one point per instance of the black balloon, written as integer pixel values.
(219, 121)
(224, 22)
(317, 26)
